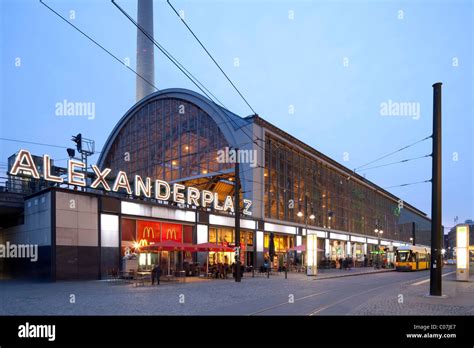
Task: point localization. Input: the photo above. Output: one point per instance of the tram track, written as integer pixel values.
(316, 311)
(320, 309)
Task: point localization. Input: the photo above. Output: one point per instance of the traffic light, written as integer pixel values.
(78, 140)
(71, 152)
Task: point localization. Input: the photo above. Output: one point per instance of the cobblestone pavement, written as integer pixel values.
(298, 295)
(458, 299)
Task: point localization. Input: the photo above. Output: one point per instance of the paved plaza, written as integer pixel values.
(381, 293)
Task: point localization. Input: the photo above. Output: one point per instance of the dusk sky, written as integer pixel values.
(319, 70)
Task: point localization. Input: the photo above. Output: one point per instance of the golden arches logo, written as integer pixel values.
(172, 233)
(146, 232)
(142, 243)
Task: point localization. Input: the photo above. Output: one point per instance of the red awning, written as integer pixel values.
(213, 247)
(170, 245)
(167, 245)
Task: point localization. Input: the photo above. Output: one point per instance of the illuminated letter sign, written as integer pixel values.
(100, 178)
(193, 196)
(75, 178)
(47, 171)
(24, 163)
(178, 196)
(140, 186)
(122, 182)
(206, 198)
(162, 184)
(76, 175)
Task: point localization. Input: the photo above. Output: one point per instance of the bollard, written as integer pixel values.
(286, 274)
(253, 272)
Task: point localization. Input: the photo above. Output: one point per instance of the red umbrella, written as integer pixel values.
(213, 247)
(168, 245)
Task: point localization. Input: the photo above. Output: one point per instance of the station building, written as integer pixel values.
(181, 137)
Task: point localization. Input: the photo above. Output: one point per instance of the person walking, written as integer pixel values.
(156, 273)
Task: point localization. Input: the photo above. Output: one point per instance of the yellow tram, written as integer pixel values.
(412, 258)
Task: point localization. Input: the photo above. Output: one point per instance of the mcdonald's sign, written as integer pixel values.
(148, 230)
(172, 232)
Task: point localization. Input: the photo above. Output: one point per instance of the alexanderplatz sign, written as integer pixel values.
(142, 187)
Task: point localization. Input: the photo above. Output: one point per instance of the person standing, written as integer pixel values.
(158, 274)
(153, 274)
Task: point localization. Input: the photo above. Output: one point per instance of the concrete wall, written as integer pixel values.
(77, 236)
(37, 231)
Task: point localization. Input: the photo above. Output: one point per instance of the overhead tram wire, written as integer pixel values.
(194, 80)
(168, 55)
(217, 64)
(106, 50)
(99, 45)
(210, 56)
(33, 143)
(392, 153)
(409, 184)
(402, 161)
(128, 67)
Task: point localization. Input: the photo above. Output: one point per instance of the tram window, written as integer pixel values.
(403, 257)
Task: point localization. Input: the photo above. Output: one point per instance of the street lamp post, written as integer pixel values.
(379, 233)
(300, 214)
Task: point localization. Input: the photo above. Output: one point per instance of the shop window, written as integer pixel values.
(212, 235)
(128, 230)
(226, 235)
(187, 234)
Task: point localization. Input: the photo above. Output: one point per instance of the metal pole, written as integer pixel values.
(413, 227)
(237, 218)
(436, 231)
(378, 253)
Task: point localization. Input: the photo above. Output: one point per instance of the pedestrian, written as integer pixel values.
(153, 274)
(221, 270)
(341, 263)
(158, 274)
(365, 261)
(226, 269)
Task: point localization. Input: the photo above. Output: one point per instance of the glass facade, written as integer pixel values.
(295, 181)
(168, 139)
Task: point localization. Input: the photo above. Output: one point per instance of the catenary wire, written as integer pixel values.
(402, 161)
(210, 56)
(393, 152)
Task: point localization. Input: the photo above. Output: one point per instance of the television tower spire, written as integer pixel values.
(145, 56)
